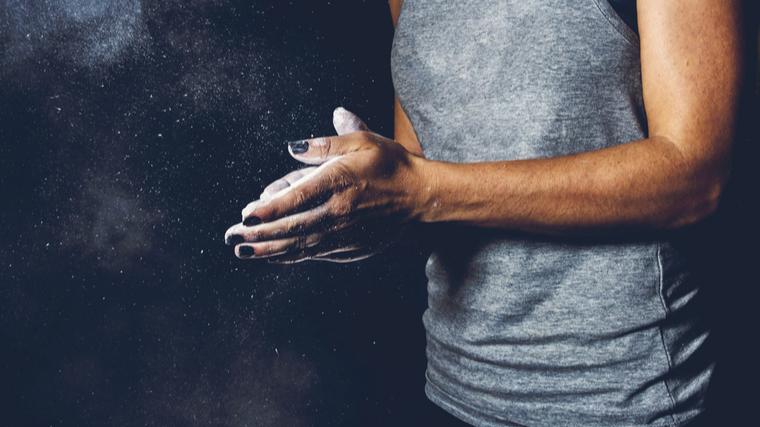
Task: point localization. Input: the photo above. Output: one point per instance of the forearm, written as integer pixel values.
(691, 69)
(647, 184)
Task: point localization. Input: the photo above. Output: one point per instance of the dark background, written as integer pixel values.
(132, 133)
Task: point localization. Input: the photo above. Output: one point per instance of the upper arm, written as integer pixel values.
(395, 10)
(403, 132)
(691, 73)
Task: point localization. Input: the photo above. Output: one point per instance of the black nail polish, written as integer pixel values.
(251, 220)
(298, 147)
(234, 239)
(246, 251)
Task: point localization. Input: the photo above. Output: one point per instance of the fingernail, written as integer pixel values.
(246, 251)
(234, 239)
(298, 147)
(251, 220)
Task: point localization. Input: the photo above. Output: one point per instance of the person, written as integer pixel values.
(565, 155)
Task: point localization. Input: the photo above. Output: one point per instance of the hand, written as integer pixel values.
(364, 190)
(344, 123)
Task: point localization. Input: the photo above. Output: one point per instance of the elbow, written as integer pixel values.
(700, 203)
(705, 204)
(698, 180)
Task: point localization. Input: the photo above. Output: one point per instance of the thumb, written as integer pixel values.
(347, 122)
(351, 137)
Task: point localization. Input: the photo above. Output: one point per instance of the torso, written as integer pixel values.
(526, 329)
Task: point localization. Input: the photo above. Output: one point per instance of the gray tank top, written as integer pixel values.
(534, 330)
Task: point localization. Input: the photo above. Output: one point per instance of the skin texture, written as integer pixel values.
(367, 185)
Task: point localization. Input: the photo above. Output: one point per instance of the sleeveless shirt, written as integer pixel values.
(528, 330)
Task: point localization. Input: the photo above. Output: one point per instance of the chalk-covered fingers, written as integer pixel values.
(343, 253)
(322, 246)
(318, 151)
(300, 224)
(340, 255)
(301, 248)
(306, 194)
(286, 181)
(278, 247)
(302, 189)
(369, 185)
(363, 190)
(345, 122)
(323, 232)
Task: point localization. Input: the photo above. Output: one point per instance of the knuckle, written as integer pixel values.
(254, 236)
(276, 186)
(325, 145)
(343, 209)
(304, 242)
(292, 177)
(364, 135)
(278, 233)
(320, 148)
(300, 242)
(294, 226)
(299, 198)
(314, 240)
(369, 139)
(339, 208)
(341, 179)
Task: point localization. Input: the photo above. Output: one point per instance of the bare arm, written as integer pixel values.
(403, 132)
(395, 6)
(690, 54)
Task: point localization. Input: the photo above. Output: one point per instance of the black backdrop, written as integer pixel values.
(132, 133)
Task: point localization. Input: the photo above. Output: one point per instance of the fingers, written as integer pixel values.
(298, 237)
(312, 255)
(287, 181)
(346, 122)
(300, 248)
(307, 222)
(300, 190)
(306, 193)
(297, 212)
(321, 150)
(277, 247)
(339, 256)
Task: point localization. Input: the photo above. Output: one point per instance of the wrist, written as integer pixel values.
(425, 193)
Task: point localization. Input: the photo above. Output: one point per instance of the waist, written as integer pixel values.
(577, 328)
